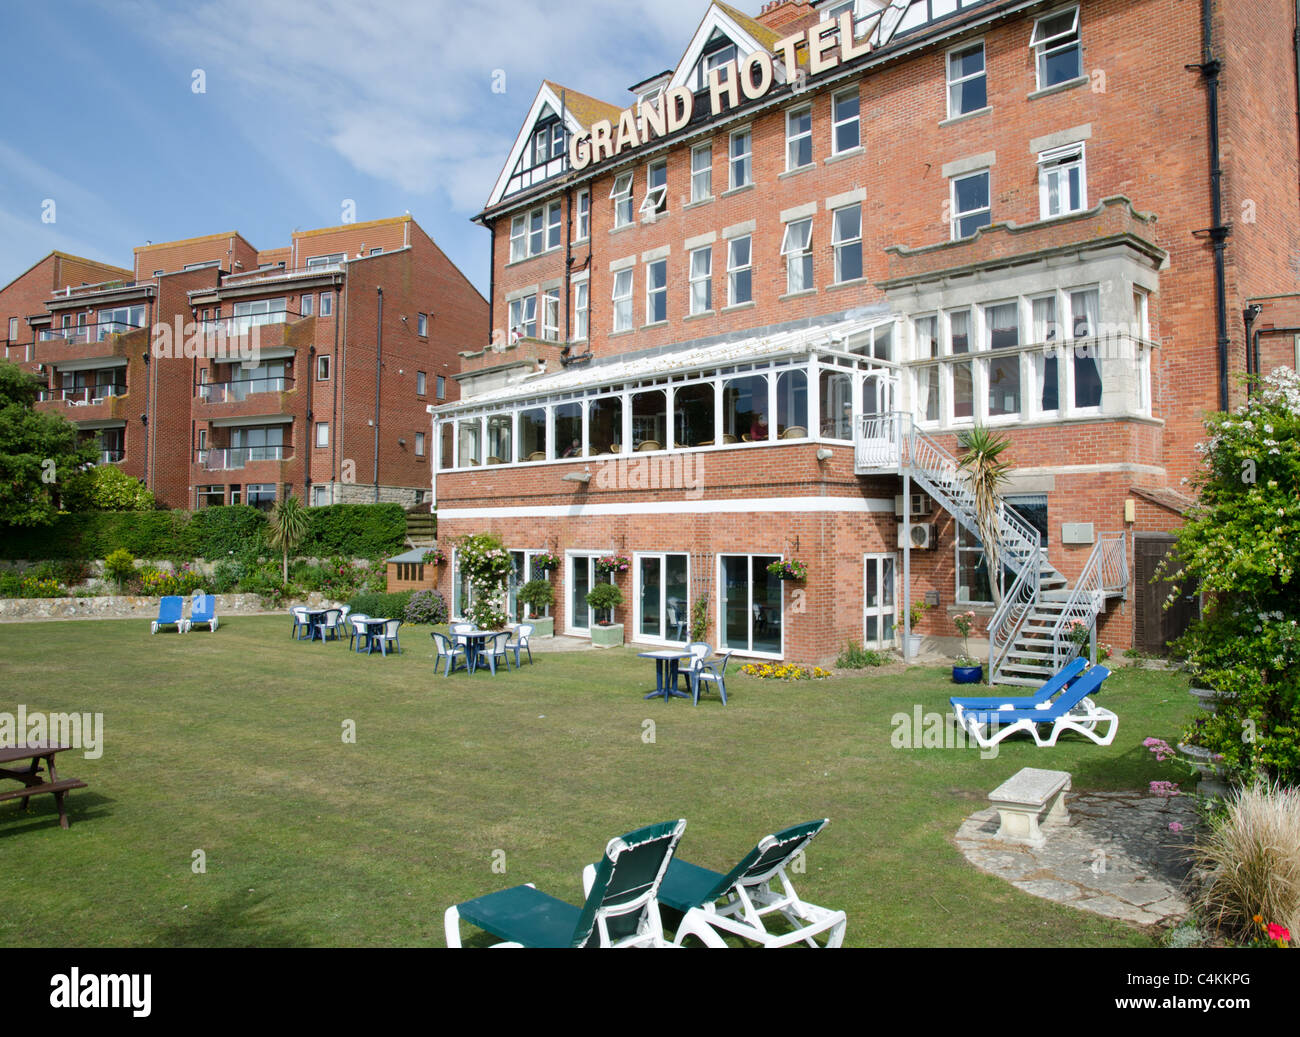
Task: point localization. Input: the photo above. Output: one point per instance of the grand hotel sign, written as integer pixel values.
(829, 44)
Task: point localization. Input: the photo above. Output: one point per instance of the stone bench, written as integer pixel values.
(1022, 798)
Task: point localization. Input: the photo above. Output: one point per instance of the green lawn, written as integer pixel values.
(232, 743)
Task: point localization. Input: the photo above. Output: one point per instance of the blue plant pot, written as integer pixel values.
(967, 674)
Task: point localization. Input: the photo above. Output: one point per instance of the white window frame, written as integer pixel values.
(419, 444)
(719, 590)
(621, 194)
(519, 238)
(953, 83)
(581, 310)
(549, 315)
(323, 364)
(801, 255)
(836, 122)
(518, 312)
(584, 215)
(440, 387)
(792, 140)
(421, 383)
(958, 215)
(1048, 46)
(651, 291)
(307, 306)
(1059, 161)
(326, 304)
(734, 268)
(705, 174)
(838, 244)
(745, 159)
(322, 435)
(623, 319)
(656, 197)
(422, 325)
(697, 278)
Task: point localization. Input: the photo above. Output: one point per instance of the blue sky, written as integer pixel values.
(306, 103)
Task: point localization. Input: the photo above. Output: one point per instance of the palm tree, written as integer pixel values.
(985, 475)
(287, 528)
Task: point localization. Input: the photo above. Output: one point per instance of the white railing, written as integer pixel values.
(1105, 572)
(234, 327)
(241, 389)
(225, 459)
(84, 396)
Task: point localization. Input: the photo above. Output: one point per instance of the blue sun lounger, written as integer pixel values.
(1072, 710)
(203, 609)
(170, 611)
(1044, 694)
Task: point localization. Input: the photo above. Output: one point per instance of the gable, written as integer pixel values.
(724, 34)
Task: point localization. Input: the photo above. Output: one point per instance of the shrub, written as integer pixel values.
(355, 530)
(485, 563)
(40, 587)
(226, 575)
(537, 595)
(605, 597)
(111, 489)
(855, 657)
(155, 582)
(119, 566)
(426, 607)
(1252, 856)
(383, 606)
(229, 529)
(10, 585)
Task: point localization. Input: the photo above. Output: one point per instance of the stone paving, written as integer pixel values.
(1116, 856)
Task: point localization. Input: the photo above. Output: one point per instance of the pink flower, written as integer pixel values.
(1277, 932)
(1164, 788)
(1175, 827)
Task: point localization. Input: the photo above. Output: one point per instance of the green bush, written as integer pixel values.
(155, 582)
(382, 606)
(354, 530)
(10, 585)
(855, 657)
(426, 607)
(236, 529)
(226, 575)
(537, 595)
(119, 566)
(605, 597)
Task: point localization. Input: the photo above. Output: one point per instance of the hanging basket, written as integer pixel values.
(791, 570)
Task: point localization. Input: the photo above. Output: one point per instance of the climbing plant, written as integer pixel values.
(485, 563)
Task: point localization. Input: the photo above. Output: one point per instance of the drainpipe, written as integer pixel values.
(336, 372)
(379, 360)
(1210, 68)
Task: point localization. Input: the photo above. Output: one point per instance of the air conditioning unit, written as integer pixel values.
(924, 537)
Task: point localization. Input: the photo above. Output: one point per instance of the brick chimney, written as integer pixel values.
(787, 16)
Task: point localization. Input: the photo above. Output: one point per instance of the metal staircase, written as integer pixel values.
(1030, 632)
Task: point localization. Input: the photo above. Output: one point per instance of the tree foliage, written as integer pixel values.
(287, 527)
(985, 474)
(1241, 547)
(39, 454)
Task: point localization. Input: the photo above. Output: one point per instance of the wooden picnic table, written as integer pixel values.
(33, 783)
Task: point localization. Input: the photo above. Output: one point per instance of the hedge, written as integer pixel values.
(352, 530)
(382, 606)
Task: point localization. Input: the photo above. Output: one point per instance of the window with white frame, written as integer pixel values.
(740, 284)
(326, 304)
(1044, 330)
(551, 314)
(846, 129)
(928, 378)
(1084, 370)
(422, 324)
(13, 329)
(441, 383)
(1058, 51)
(796, 247)
(535, 232)
(961, 372)
(1142, 331)
(581, 308)
(323, 368)
(583, 231)
(971, 206)
(741, 161)
(656, 291)
(967, 80)
(419, 444)
(1062, 184)
(523, 317)
(701, 279)
(322, 435)
(623, 300)
(1002, 373)
(307, 306)
(701, 172)
(621, 193)
(798, 138)
(421, 383)
(656, 193)
(846, 239)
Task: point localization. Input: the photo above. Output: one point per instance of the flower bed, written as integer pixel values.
(784, 671)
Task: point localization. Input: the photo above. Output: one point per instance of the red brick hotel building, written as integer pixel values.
(745, 314)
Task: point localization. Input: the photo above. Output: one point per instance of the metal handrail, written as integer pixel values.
(85, 394)
(243, 323)
(1105, 572)
(240, 389)
(223, 459)
(86, 332)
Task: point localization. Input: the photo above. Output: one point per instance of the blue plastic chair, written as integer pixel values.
(448, 653)
(522, 634)
(203, 609)
(712, 671)
(170, 611)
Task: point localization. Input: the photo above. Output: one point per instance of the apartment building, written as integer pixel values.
(219, 373)
(746, 314)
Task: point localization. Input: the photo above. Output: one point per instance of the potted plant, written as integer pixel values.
(791, 570)
(538, 595)
(605, 598)
(612, 564)
(914, 614)
(435, 556)
(544, 562)
(1079, 634)
(966, 670)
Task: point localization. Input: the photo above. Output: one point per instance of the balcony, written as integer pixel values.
(233, 459)
(111, 456)
(89, 403)
(239, 390)
(83, 397)
(238, 327)
(96, 332)
(59, 346)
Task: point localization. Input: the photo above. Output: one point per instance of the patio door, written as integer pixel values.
(751, 615)
(661, 596)
(875, 431)
(582, 578)
(878, 600)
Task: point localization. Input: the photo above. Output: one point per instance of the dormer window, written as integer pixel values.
(717, 52)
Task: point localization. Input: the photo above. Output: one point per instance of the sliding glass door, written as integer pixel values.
(582, 577)
(750, 600)
(661, 596)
